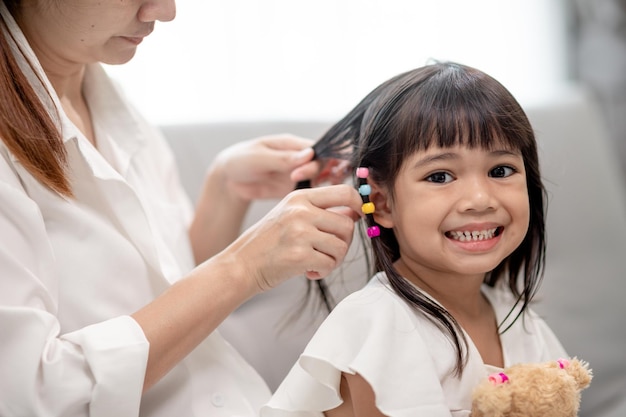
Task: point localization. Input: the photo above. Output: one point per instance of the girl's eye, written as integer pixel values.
(439, 177)
(502, 171)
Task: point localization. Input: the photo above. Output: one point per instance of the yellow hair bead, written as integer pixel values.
(368, 208)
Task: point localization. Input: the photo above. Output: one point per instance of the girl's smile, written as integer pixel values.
(475, 238)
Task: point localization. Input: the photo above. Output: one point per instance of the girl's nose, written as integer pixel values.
(161, 10)
(477, 195)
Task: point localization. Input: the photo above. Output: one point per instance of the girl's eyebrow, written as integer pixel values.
(444, 156)
(447, 156)
(505, 152)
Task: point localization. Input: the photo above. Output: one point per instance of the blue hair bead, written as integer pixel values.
(365, 190)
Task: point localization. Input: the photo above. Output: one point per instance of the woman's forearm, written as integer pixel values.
(218, 218)
(184, 315)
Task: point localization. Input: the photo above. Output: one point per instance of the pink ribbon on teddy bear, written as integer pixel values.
(501, 378)
(498, 378)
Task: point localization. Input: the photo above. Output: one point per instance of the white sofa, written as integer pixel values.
(583, 296)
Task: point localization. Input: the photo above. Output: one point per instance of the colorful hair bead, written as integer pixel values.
(362, 172)
(368, 208)
(373, 231)
(498, 378)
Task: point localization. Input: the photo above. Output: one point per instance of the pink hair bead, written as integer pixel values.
(368, 208)
(498, 378)
(373, 231)
(362, 172)
(563, 363)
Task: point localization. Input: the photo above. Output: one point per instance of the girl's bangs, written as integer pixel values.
(463, 124)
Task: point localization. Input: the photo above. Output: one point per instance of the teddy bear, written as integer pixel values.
(546, 389)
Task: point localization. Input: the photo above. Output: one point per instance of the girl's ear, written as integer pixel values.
(382, 205)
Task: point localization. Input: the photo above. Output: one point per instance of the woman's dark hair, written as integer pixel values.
(26, 127)
(442, 104)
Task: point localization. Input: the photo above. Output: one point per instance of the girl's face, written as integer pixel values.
(65, 32)
(457, 210)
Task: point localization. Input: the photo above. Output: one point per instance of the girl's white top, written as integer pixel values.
(406, 359)
(72, 270)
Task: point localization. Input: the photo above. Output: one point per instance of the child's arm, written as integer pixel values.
(358, 398)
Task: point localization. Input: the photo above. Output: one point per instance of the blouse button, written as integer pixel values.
(218, 400)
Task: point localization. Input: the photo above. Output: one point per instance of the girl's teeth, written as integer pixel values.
(475, 235)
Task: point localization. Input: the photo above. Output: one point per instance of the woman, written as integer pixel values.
(111, 286)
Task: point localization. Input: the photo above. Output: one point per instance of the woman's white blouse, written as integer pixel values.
(406, 359)
(72, 270)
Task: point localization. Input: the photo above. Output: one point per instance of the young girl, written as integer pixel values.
(447, 166)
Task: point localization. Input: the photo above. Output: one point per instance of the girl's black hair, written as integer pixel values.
(442, 104)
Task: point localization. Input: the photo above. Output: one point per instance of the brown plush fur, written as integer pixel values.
(534, 390)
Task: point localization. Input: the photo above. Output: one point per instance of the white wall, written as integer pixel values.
(298, 59)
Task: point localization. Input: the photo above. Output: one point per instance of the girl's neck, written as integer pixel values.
(462, 297)
(459, 294)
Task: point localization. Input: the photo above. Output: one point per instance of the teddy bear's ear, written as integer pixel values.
(580, 371)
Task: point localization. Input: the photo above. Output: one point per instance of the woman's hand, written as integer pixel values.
(261, 168)
(329, 172)
(308, 233)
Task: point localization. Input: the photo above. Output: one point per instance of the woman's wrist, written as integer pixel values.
(217, 183)
(239, 281)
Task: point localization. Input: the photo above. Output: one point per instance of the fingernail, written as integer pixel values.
(301, 154)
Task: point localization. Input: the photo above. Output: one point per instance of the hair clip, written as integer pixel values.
(368, 207)
(498, 378)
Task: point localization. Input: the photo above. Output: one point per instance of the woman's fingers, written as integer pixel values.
(309, 232)
(305, 171)
(262, 168)
(331, 172)
(286, 141)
